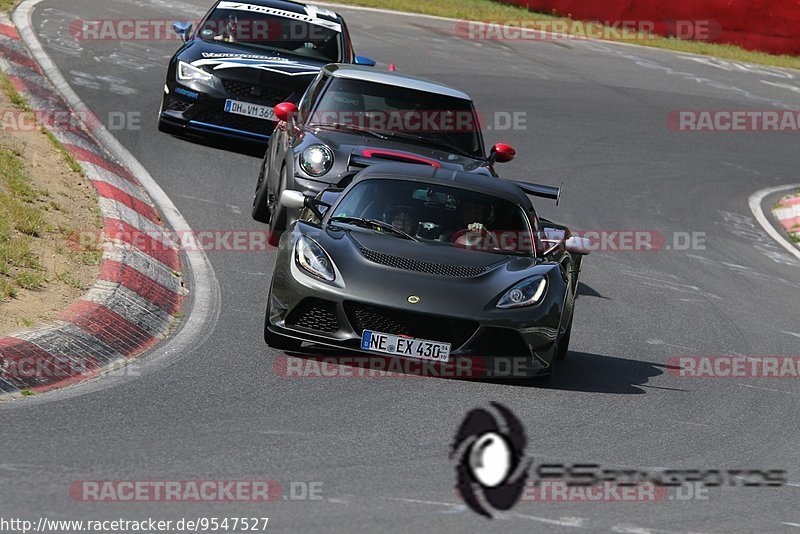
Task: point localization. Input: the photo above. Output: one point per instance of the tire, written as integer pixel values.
(562, 349)
(563, 344)
(261, 211)
(277, 222)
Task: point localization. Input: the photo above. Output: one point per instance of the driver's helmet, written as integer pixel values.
(403, 217)
(231, 27)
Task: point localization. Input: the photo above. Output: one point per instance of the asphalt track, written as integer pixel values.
(596, 121)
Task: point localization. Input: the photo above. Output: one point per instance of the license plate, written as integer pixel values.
(250, 110)
(421, 349)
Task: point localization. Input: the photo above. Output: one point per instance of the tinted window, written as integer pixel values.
(319, 40)
(449, 216)
(444, 122)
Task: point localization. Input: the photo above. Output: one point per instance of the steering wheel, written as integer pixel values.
(478, 239)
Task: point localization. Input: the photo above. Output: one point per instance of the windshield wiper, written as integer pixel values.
(366, 223)
(429, 141)
(344, 126)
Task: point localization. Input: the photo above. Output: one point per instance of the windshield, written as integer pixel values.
(274, 30)
(413, 116)
(442, 215)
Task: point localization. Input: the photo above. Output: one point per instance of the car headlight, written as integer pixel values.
(316, 160)
(312, 259)
(190, 73)
(527, 293)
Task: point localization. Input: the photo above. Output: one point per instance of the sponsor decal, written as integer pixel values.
(187, 94)
(272, 64)
(310, 17)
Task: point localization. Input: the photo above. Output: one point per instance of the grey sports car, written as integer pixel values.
(427, 264)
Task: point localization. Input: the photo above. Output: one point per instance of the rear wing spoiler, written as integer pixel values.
(544, 191)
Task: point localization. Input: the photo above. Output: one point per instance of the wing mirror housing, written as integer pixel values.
(579, 245)
(184, 29)
(284, 110)
(295, 200)
(502, 153)
(367, 62)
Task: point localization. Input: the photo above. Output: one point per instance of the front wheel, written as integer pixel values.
(277, 223)
(261, 210)
(563, 343)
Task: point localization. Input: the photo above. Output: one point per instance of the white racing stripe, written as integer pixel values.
(309, 18)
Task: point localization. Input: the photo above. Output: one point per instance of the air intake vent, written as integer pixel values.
(398, 262)
(403, 323)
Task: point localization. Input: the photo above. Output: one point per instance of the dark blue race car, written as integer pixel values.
(245, 58)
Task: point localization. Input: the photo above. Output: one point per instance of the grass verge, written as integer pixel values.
(42, 202)
(20, 221)
(488, 10)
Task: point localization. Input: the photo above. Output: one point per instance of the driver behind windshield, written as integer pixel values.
(402, 217)
(473, 215)
(273, 33)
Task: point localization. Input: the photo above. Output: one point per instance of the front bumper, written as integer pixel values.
(499, 343)
(186, 111)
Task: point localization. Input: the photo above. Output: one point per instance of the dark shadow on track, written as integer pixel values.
(580, 371)
(595, 373)
(586, 291)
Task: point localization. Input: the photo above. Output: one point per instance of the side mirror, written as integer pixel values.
(579, 245)
(293, 200)
(284, 110)
(502, 153)
(183, 29)
(367, 62)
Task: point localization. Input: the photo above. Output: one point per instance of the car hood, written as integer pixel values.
(388, 270)
(376, 245)
(362, 150)
(251, 65)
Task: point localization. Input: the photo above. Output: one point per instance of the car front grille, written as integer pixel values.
(398, 322)
(253, 93)
(314, 314)
(441, 269)
(174, 103)
(236, 122)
